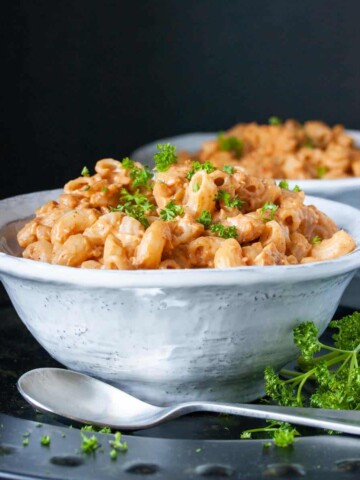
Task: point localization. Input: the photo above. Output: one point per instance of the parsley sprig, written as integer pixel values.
(207, 166)
(141, 177)
(117, 446)
(165, 157)
(275, 121)
(230, 144)
(222, 231)
(171, 211)
(135, 205)
(282, 433)
(228, 169)
(268, 211)
(205, 218)
(335, 374)
(225, 197)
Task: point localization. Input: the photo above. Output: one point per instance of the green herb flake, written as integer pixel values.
(113, 454)
(230, 144)
(117, 444)
(268, 211)
(267, 444)
(275, 121)
(165, 157)
(308, 143)
(225, 197)
(140, 176)
(228, 169)
(284, 437)
(207, 166)
(321, 171)
(316, 240)
(87, 188)
(85, 172)
(245, 435)
(196, 187)
(224, 232)
(45, 440)
(171, 211)
(89, 444)
(284, 184)
(135, 205)
(205, 219)
(104, 189)
(198, 450)
(25, 441)
(297, 189)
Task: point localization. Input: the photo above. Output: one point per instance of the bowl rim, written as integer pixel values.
(26, 269)
(309, 185)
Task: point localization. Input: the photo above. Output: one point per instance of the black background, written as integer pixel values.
(81, 80)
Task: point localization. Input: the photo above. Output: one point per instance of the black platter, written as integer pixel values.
(196, 446)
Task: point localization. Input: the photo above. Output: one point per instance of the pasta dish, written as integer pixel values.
(185, 214)
(286, 150)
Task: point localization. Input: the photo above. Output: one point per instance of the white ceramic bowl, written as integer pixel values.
(172, 335)
(345, 190)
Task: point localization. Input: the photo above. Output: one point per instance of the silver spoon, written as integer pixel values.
(86, 400)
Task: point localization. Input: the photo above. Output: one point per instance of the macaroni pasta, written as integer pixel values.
(188, 215)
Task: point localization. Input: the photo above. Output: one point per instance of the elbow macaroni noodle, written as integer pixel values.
(202, 219)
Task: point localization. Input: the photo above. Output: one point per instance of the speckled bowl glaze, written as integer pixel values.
(345, 190)
(174, 335)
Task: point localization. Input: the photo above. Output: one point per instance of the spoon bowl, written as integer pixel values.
(87, 400)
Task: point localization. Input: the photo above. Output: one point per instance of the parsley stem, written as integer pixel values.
(289, 373)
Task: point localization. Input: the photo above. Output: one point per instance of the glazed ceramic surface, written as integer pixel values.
(174, 335)
(345, 190)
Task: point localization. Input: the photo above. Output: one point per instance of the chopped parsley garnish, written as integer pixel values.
(321, 171)
(135, 205)
(228, 169)
(85, 172)
(275, 121)
(198, 450)
(165, 157)
(225, 197)
(89, 444)
(91, 428)
(224, 232)
(284, 184)
(25, 441)
(316, 240)
(334, 374)
(205, 219)
(104, 189)
(196, 187)
(309, 143)
(141, 177)
(45, 440)
(207, 166)
(117, 445)
(230, 144)
(171, 211)
(297, 189)
(268, 211)
(87, 188)
(282, 433)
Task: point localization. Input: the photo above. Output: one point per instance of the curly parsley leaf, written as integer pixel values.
(225, 197)
(85, 172)
(268, 211)
(230, 144)
(89, 444)
(224, 232)
(306, 339)
(165, 157)
(275, 121)
(348, 336)
(297, 189)
(228, 169)
(316, 240)
(135, 205)
(171, 211)
(141, 177)
(205, 218)
(321, 171)
(284, 184)
(207, 166)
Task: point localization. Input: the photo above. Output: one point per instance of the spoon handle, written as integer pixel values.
(347, 421)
